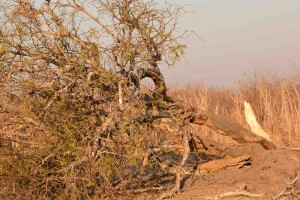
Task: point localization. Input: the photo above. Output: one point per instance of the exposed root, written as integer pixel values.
(289, 190)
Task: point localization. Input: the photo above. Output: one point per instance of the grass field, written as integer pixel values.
(275, 102)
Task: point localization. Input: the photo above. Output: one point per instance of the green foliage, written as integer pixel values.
(81, 142)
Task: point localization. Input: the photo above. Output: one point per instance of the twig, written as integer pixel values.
(291, 148)
(47, 157)
(165, 195)
(74, 164)
(288, 190)
(179, 169)
(238, 194)
(235, 194)
(183, 161)
(147, 189)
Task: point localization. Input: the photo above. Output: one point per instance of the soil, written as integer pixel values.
(269, 174)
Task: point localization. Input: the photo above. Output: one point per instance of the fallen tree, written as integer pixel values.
(77, 91)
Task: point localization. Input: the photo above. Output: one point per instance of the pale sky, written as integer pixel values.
(240, 37)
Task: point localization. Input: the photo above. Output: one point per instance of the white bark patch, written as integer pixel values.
(252, 122)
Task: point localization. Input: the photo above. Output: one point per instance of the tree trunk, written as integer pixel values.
(228, 127)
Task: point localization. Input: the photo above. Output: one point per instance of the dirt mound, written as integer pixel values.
(270, 173)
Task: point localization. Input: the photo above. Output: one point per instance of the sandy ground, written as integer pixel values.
(269, 174)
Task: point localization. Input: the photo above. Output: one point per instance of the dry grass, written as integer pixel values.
(275, 101)
(37, 158)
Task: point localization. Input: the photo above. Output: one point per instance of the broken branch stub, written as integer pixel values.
(252, 122)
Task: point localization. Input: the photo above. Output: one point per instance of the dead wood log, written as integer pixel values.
(228, 127)
(218, 165)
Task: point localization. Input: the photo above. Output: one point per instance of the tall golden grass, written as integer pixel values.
(275, 102)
